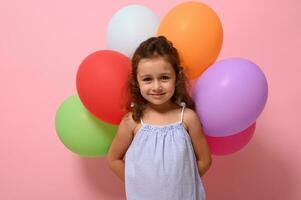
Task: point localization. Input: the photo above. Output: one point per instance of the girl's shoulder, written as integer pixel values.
(189, 117)
(128, 121)
(189, 112)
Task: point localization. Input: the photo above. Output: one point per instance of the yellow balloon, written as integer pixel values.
(196, 31)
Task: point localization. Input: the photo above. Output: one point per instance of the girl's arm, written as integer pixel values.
(199, 142)
(120, 144)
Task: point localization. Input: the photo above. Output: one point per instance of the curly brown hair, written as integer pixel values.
(152, 48)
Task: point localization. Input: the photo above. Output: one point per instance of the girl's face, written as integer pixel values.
(156, 78)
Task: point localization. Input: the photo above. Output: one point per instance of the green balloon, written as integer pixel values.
(80, 131)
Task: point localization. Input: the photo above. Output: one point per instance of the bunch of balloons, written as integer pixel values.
(229, 94)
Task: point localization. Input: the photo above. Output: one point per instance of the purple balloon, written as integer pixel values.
(229, 96)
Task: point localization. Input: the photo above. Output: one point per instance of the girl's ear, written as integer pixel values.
(132, 104)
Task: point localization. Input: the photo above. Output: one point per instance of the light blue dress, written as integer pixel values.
(160, 164)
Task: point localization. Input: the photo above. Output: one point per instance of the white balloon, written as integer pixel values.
(130, 26)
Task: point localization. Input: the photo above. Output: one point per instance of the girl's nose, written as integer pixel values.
(157, 86)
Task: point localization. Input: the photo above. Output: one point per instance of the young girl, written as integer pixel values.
(159, 149)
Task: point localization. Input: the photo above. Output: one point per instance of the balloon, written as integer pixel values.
(196, 31)
(80, 131)
(230, 144)
(129, 27)
(101, 84)
(229, 96)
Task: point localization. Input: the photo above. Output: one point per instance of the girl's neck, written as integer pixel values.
(167, 106)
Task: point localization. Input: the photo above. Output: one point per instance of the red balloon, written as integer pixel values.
(102, 84)
(230, 144)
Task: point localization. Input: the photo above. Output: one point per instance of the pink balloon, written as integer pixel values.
(230, 144)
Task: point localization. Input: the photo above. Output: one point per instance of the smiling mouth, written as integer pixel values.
(157, 94)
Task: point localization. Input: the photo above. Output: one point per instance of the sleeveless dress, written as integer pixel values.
(160, 164)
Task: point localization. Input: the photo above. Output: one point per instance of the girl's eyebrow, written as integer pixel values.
(144, 75)
(165, 73)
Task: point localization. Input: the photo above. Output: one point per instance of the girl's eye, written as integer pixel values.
(165, 77)
(147, 79)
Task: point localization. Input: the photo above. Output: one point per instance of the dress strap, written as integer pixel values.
(182, 113)
(141, 121)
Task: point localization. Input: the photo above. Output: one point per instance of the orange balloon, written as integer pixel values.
(196, 31)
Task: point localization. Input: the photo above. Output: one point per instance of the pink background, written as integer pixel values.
(42, 44)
